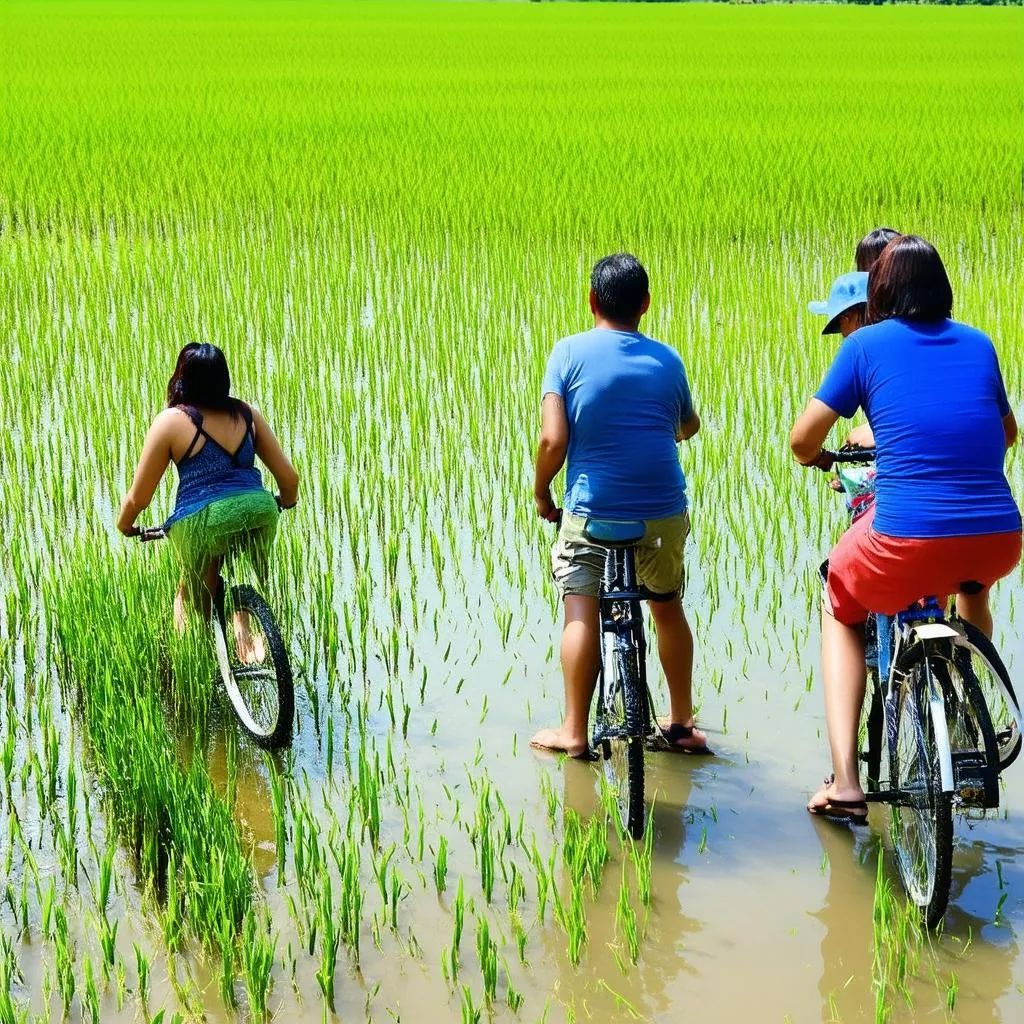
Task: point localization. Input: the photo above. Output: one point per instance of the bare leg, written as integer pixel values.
(675, 647)
(842, 663)
(974, 609)
(180, 609)
(581, 658)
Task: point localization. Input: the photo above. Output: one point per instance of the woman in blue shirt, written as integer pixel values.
(213, 439)
(944, 520)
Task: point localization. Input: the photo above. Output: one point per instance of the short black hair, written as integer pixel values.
(909, 281)
(870, 247)
(620, 286)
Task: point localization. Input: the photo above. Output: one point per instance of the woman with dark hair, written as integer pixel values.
(944, 519)
(213, 439)
(870, 247)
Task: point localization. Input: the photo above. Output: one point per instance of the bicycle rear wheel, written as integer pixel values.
(975, 657)
(921, 820)
(254, 666)
(623, 727)
(972, 741)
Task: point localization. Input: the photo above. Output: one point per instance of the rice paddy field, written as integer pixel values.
(385, 214)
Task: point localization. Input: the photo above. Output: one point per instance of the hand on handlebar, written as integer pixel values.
(824, 461)
(547, 509)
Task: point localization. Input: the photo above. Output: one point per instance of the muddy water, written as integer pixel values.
(758, 912)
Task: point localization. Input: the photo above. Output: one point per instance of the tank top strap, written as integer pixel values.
(197, 421)
(250, 427)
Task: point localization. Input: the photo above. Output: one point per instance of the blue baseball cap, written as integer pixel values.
(848, 290)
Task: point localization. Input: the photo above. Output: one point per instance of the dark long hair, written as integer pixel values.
(870, 247)
(909, 281)
(201, 378)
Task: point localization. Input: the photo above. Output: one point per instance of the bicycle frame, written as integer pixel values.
(926, 625)
(923, 624)
(619, 586)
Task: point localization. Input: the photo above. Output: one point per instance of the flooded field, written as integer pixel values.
(385, 215)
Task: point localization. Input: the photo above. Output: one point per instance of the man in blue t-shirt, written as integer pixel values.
(616, 403)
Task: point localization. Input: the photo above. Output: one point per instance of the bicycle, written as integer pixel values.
(259, 685)
(624, 709)
(934, 681)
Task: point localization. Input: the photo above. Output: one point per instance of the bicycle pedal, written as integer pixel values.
(975, 785)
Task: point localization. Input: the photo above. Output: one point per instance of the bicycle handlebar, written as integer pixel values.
(848, 454)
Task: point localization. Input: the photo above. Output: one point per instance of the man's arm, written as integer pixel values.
(810, 430)
(551, 450)
(687, 429)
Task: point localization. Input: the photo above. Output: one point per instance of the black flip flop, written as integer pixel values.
(587, 754)
(668, 740)
(841, 811)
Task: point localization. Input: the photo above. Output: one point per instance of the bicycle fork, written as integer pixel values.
(928, 634)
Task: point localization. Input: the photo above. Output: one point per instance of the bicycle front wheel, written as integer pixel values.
(625, 726)
(921, 822)
(254, 667)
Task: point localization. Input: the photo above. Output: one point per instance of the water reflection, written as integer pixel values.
(971, 948)
(599, 980)
(251, 805)
(847, 944)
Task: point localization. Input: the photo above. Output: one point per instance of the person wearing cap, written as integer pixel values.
(944, 520)
(846, 309)
(846, 304)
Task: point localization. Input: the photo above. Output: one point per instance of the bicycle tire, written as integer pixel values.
(970, 733)
(624, 765)
(872, 755)
(922, 820)
(275, 731)
(1008, 739)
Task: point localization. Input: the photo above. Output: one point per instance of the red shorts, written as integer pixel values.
(873, 572)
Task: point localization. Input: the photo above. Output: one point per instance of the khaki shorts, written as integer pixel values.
(578, 565)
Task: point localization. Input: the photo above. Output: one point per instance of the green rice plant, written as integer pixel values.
(8, 975)
(487, 954)
(142, 973)
(329, 942)
(625, 919)
(257, 956)
(441, 865)
(291, 184)
(471, 1014)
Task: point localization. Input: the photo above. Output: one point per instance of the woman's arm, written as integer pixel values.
(810, 430)
(155, 458)
(688, 429)
(861, 437)
(1010, 429)
(273, 457)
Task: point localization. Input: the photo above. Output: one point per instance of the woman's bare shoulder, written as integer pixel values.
(172, 422)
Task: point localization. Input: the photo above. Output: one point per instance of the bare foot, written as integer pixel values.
(559, 742)
(250, 650)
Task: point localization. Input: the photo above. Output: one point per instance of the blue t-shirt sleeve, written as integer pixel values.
(554, 374)
(842, 390)
(685, 397)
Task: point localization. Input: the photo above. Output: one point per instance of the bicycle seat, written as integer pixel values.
(614, 533)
